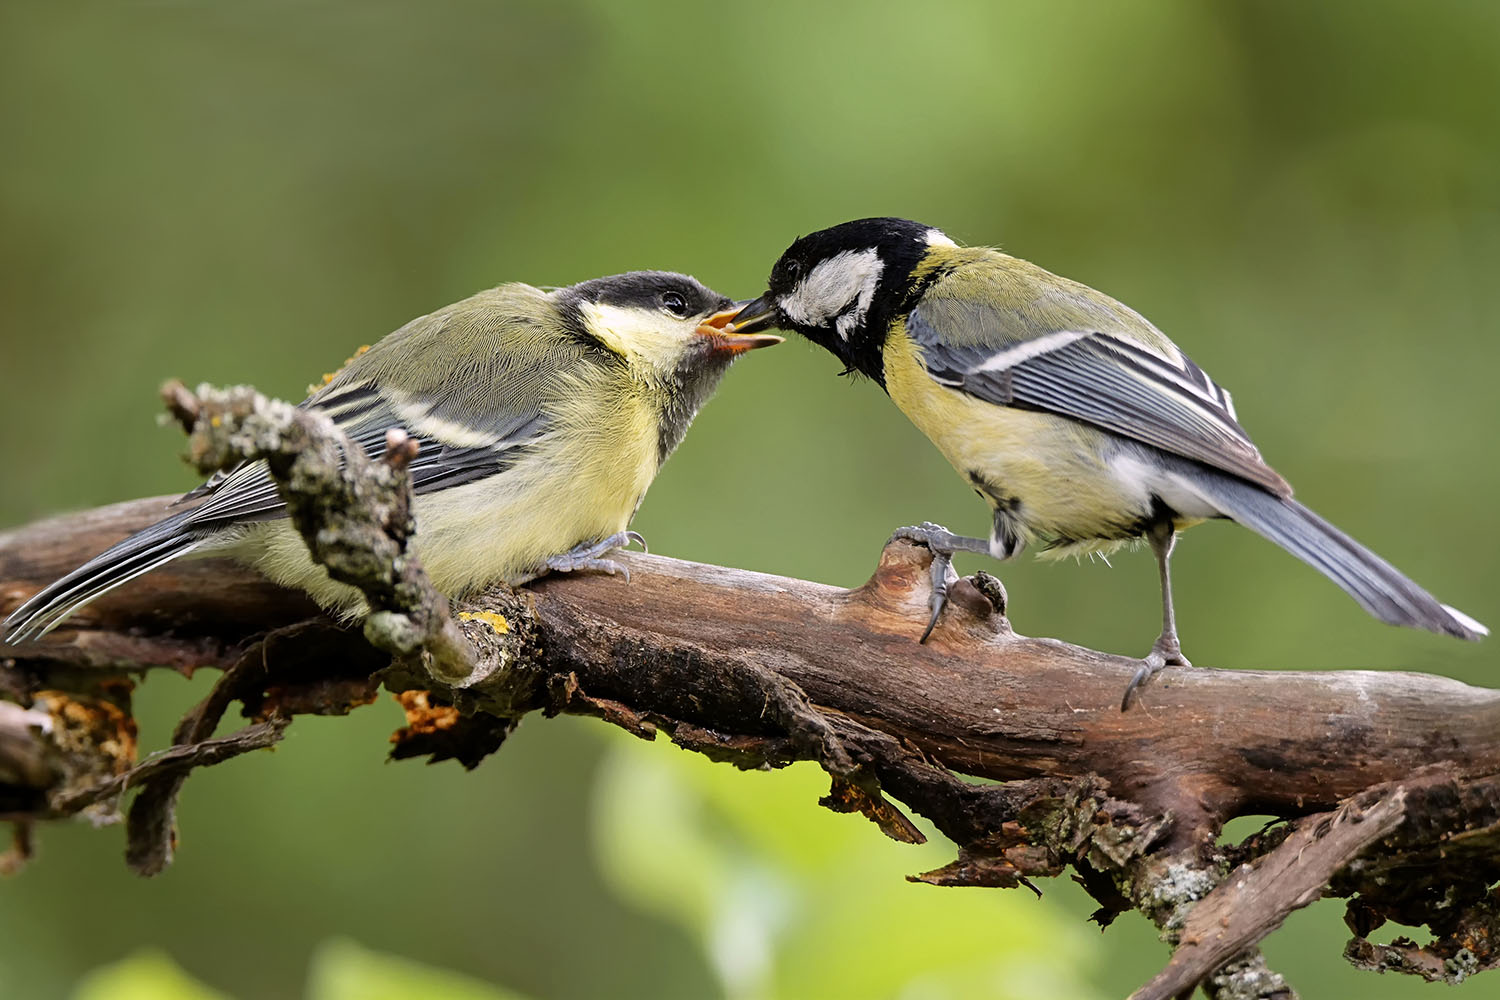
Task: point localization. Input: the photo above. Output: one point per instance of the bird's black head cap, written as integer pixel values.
(842, 287)
(679, 295)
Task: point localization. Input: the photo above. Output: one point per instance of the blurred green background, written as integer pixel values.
(1305, 196)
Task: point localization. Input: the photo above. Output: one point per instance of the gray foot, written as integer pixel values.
(589, 555)
(1165, 652)
(943, 544)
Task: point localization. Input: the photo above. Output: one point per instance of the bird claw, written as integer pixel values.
(1165, 652)
(570, 565)
(942, 543)
(943, 576)
(936, 537)
(588, 555)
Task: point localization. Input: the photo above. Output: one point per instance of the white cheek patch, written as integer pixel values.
(642, 334)
(849, 321)
(830, 289)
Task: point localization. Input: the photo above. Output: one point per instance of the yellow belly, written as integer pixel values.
(1056, 470)
(581, 483)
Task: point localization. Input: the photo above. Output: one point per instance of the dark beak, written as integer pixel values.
(738, 327)
(757, 314)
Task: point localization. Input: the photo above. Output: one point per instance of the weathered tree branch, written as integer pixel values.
(1393, 779)
(1254, 898)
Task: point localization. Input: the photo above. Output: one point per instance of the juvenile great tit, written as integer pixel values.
(542, 418)
(1078, 421)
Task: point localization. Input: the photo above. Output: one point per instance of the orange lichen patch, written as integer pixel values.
(845, 796)
(92, 727)
(330, 376)
(423, 718)
(492, 619)
(440, 732)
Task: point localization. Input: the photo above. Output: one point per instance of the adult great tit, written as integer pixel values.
(1078, 421)
(543, 416)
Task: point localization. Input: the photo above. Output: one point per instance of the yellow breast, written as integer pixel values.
(580, 482)
(1052, 471)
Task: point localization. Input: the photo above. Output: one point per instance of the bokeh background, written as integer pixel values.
(1305, 196)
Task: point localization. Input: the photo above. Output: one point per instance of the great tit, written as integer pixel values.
(542, 416)
(1078, 421)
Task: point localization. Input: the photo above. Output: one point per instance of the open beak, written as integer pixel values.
(738, 328)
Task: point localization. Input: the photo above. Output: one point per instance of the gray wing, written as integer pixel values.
(363, 412)
(474, 417)
(1094, 376)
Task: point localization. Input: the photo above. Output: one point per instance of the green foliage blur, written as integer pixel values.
(1305, 196)
(340, 970)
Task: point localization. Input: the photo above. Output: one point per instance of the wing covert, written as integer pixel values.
(364, 413)
(1095, 376)
(474, 416)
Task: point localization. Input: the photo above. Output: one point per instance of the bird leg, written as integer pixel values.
(943, 544)
(1167, 650)
(589, 555)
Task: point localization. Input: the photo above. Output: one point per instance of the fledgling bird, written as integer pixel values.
(1078, 421)
(542, 416)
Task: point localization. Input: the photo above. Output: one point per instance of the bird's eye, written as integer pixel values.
(674, 303)
(793, 267)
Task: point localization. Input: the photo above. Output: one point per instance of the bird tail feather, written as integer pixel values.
(1378, 586)
(140, 553)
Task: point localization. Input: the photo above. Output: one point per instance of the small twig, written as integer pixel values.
(353, 512)
(348, 510)
(176, 759)
(22, 848)
(150, 823)
(1405, 955)
(201, 721)
(1254, 899)
(150, 834)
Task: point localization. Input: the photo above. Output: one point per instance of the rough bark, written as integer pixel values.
(1389, 782)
